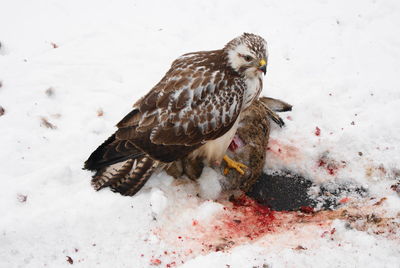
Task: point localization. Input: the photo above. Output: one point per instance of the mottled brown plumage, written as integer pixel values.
(192, 112)
(250, 143)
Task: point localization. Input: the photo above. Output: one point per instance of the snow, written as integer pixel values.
(158, 201)
(336, 62)
(209, 182)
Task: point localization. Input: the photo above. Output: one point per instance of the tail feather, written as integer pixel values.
(131, 183)
(121, 166)
(126, 177)
(109, 175)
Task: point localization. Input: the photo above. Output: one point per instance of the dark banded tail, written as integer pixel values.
(126, 177)
(134, 181)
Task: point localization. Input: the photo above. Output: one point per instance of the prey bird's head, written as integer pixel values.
(247, 55)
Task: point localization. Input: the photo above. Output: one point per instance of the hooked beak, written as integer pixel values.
(263, 66)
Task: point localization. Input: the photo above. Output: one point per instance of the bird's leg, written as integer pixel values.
(230, 163)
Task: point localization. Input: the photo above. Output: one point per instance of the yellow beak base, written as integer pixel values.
(263, 66)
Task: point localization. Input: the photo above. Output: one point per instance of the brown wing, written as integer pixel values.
(193, 103)
(110, 152)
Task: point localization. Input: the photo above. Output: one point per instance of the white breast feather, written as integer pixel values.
(253, 86)
(214, 150)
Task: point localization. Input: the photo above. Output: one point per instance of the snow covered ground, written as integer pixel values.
(69, 70)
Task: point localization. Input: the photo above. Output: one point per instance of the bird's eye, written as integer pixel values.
(248, 58)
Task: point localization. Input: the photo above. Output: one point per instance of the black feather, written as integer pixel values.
(107, 154)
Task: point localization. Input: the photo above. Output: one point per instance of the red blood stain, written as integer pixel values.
(324, 234)
(245, 219)
(307, 209)
(317, 131)
(155, 262)
(331, 232)
(289, 118)
(344, 200)
(284, 152)
(233, 146)
(331, 170)
(194, 222)
(236, 143)
(330, 165)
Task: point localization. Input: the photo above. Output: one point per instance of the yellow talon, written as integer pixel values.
(233, 164)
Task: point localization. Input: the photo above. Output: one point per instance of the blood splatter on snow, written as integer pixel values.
(317, 131)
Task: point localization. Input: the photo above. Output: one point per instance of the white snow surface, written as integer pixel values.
(337, 63)
(209, 182)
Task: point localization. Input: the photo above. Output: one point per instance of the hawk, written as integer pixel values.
(193, 112)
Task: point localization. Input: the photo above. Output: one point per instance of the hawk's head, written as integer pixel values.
(247, 55)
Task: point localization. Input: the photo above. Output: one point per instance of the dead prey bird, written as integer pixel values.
(248, 146)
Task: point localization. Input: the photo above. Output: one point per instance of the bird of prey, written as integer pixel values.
(249, 146)
(193, 112)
